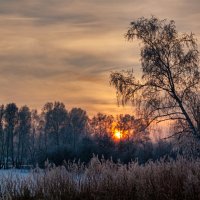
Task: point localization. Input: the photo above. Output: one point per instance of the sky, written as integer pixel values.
(65, 50)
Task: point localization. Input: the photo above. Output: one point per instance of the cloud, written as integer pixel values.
(65, 49)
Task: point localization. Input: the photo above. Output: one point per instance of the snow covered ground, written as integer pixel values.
(12, 173)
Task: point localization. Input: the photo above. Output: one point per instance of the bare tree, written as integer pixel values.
(23, 130)
(132, 128)
(101, 124)
(170, 75)
(78, 122)
(56, 117)
(10, 117)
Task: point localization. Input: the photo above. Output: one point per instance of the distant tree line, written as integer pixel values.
(29, 137)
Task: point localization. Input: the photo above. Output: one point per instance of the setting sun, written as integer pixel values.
(117, 134)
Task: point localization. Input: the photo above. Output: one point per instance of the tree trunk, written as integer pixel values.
(189, 121)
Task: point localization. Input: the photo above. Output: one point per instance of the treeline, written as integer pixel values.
(29, 137)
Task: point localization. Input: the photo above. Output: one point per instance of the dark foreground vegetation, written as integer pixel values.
(166, 179)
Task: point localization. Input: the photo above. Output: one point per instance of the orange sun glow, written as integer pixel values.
(118, 134)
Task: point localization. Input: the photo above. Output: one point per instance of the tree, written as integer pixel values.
(78, 120)
(170, 75)
(2, 137)
(101, 124)
(24, 128)
(11, 117)
(36, 132)
(132, 128)
(56, 117)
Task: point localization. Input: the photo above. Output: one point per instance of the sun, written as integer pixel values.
(118, 134)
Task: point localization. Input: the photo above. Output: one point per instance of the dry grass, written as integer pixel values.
(101, 179)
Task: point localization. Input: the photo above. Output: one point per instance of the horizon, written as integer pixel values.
(63, 50)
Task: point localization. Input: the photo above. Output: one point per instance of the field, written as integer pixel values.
(101, 179)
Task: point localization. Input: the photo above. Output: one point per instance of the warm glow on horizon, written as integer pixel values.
(117, 134)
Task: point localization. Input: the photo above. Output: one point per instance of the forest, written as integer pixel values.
(28, 138)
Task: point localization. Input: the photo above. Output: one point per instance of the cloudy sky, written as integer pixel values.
(64, 50)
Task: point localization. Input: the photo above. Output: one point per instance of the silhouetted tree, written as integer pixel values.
(11, 116)
(132, 128)
(36, 133)
(23, 130)
(2, 137)
(78, 120)
(170, 75)
(126, 124)
(56, 117)
(102, 124)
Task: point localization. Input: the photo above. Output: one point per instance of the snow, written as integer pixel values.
(11, 173)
